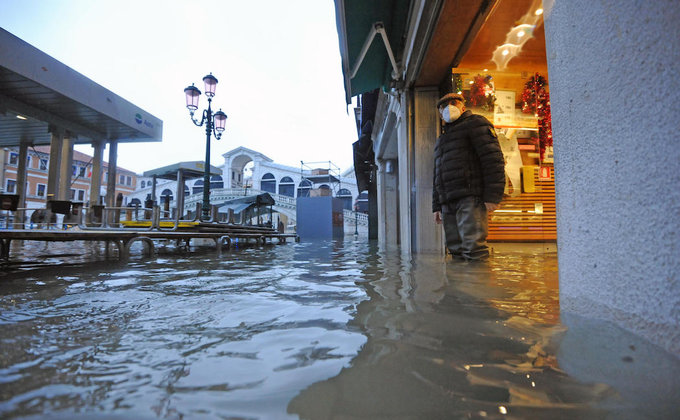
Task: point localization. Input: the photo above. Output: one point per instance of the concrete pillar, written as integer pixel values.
(21, 184)
(111, 180)
(66, 169)
(428, 235)
(3, 162)
(388, 204)
(96, 180)
(54, 173)
(617, 162)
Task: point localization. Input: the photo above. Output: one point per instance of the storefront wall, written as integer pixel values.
(617, 160)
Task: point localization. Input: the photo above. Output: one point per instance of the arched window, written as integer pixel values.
(346, 196)
(324, 187)
(287, 186)
(304, 187)
(198, 187)
(166, 193)
(186, 191)
(268, 183)
(135, 202)
(143, 185)
(216, 182)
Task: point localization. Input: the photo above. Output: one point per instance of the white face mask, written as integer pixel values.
(450, 113)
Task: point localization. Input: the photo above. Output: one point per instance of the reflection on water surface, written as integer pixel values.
(310, 330)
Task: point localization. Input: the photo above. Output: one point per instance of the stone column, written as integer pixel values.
(617, 162)
(66, 169)
(404, 149)
(388, 204)
(179, 200)
(22, 190)
(428, 235)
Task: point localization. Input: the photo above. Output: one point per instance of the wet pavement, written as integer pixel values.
(324, 330)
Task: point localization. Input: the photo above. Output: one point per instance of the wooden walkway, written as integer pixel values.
(222, 235)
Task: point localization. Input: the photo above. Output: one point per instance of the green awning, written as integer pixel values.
(192, 169)
(355, 19)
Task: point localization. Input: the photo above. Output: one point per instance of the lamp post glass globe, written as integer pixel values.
(220, 121)
(210, 85)
(192, 94)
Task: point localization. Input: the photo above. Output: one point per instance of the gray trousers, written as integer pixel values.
(466, 227)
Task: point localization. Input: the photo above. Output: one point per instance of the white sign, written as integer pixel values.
(504, 108)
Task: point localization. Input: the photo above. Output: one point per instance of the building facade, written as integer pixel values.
(616, 173)
(37, 170)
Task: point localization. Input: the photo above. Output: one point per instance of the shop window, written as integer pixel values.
(11, 186)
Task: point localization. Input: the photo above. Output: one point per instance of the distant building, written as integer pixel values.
(267, 176)
(37, 172)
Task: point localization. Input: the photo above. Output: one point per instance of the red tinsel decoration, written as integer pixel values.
(482, 92)
(536, 100)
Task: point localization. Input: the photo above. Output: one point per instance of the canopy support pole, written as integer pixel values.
(378, 28)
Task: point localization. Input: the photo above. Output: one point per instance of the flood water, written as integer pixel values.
(323, 330)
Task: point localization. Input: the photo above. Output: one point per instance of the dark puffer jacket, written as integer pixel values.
(468, 162)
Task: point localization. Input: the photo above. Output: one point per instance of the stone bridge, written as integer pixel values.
(283, 204)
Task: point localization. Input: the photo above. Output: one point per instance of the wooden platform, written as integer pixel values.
(221, 234)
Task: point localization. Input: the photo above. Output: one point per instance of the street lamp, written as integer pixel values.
(214, 124)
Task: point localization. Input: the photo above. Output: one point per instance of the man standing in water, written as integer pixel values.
(469, 178)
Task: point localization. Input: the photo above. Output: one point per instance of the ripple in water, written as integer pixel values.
(308, 330)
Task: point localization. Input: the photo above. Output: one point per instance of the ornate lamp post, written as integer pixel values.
(214, 124)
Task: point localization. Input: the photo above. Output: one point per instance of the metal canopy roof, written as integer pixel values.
(47, 93)
(193, 169)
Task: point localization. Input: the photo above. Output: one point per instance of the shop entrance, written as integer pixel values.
(504, 77)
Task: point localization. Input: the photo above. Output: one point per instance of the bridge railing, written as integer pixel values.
(218, 195)
(350, 216)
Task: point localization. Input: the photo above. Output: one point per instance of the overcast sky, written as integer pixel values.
(277, 62)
